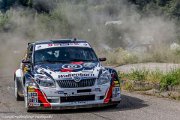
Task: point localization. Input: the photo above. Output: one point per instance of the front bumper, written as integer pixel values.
(52, 99)
(73, 107)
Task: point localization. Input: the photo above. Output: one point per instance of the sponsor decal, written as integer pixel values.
(89, 65)
(79, 63)
(51, 45)
(59, 92)
(76, 75)
(30, 104)
(33, 100)
(32, 94)
(66, 70)
(44, 46)
(72, 66)
(25, 69)
(117, 83)
(32, 97)
(116, 92)
(30, 89)
(34, 104)
(78, 102)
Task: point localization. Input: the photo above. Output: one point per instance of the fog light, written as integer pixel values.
(97, 89)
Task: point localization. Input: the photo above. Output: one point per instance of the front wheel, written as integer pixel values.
(17, 96)
(114, 105)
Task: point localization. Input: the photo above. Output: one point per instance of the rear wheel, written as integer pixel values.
(17, 96)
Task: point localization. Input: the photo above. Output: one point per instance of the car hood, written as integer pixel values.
(70, 70)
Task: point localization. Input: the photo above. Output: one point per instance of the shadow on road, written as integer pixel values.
(127, 103)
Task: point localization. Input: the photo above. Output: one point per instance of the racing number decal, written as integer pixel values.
(34, 96)
(33, 99)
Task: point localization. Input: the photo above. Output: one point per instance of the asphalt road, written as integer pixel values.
(132, 107)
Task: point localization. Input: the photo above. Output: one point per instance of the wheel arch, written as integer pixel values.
(18, 73)
(113, 71)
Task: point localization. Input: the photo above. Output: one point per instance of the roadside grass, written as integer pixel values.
(150, 79)
(170, 80)
(120, 56)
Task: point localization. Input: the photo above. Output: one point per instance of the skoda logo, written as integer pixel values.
(77, 79)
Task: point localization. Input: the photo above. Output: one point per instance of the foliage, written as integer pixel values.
(128, 86)
(118, 56)
(6, 4)
(165, 80)
(167, 7)
(143, 75)
(3, 20)
(170, 79)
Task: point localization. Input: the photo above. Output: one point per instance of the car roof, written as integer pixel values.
(74, 40)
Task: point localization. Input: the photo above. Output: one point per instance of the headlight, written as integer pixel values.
(104, 78)
(45, 81)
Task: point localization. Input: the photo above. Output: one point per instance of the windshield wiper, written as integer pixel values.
(77, 60)
(44, 61)
(50, 61)
(56, 61)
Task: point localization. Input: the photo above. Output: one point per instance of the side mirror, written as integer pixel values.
(102, 59)
(26, 61)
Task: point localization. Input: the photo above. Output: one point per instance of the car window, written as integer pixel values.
(65, 54)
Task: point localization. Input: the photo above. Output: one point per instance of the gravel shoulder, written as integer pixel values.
(164, 67)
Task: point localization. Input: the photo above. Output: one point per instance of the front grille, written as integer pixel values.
(77, 98)
(73, 84)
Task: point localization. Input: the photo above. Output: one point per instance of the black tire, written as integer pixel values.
(114, 105)
(29, 110)
(17, 96)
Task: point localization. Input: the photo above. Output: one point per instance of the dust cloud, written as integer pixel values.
(105, 24)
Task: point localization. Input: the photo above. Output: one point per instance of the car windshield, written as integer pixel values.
(64, 54)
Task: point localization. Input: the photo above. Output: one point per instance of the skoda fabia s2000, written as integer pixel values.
(65, 74)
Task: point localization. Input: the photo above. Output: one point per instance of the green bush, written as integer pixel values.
(166, 80)
(170, 79)
(139, 75)
(3, 20)
(128, 86)
(119, 56)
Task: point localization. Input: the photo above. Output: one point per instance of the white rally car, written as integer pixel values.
(65, 74)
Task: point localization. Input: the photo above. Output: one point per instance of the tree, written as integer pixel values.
(6, 4)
